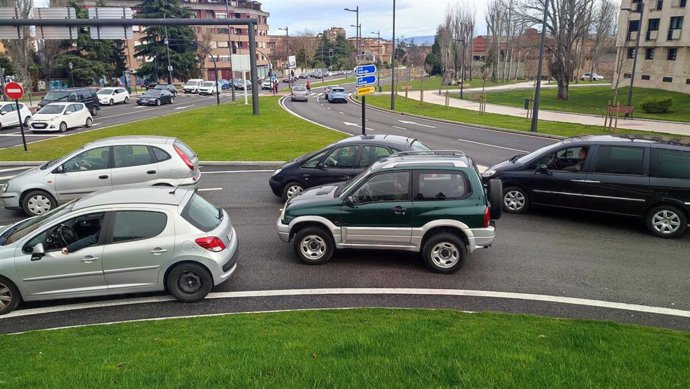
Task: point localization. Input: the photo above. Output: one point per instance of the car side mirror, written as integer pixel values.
(38, 252)
(349, 202)
(543, 169)
(322, 166)
(59, 169)
(68, 113)
(3, 112)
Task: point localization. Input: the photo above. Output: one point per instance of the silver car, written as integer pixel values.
(299, 92)
(118, 162)
(122, 241)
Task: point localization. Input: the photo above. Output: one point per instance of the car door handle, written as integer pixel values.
(399, 210)
(89, 259)
(151, 172)
(104, 177)
(158, 251)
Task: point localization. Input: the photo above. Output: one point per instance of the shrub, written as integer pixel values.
(657, 105)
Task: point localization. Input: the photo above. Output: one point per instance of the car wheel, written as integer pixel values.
(515, 200)
(111, 102)
(158, 101)
(93, 110)
(9, 296)
(63, 127)
(444, 253)
(291, 189)
(189, 282)
(126, 100)
(89, 122)
(314, 245)
(26, 121)
(495, 198)
(667, 221)
(38, 202)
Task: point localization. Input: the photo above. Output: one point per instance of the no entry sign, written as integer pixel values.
(13, 90)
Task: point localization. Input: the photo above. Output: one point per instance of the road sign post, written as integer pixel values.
(15, 92)
(366, 75)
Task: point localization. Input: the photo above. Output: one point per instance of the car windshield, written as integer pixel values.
(419, 146)
(25, 227)
(51, 109)
(161, 87)
(528, 157)
(106, 91)
(299, 88)
(153, 92)
(208, 83)
(338, 90)
(354, 181)
(56, 96)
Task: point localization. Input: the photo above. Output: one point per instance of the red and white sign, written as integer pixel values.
(13, 90)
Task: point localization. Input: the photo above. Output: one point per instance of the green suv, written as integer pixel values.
(428, 201)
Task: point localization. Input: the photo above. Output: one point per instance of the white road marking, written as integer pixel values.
(209, 189)
(15, 168)
(184, 106)
(489, 145)
(415, 123)
(238, 171)
(351, 124)
(367, 291)
(342, 113)
(29, 135)
(400, 128)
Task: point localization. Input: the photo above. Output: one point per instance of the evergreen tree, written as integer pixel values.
(182, 46)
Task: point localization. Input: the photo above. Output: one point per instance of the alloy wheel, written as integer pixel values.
(313, 247)
(445, 255)
(666, 222)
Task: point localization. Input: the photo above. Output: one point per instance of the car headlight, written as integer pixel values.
(282, 213)
(488, 173)
(277, 171)
(3, 187)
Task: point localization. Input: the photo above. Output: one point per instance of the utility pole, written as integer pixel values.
(393, 63)
(232, 76)
(356, 10)
(378, 67)
(287, 53)
(640, 9)
(537, 90)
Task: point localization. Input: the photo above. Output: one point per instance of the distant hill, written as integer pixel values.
(421, 40)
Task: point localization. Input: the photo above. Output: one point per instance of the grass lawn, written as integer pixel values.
(228, 132)
(494, 120)
(361, 348)
(433, 82)
(593, 100)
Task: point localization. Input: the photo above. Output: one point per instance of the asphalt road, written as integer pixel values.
(545, 256)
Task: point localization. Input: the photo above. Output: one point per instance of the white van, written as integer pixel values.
(192, 86)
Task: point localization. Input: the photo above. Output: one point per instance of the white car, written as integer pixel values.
(192, 86)
(9, 117)
(207, 88)
(61, 116)
(267, 84)
(110, 96)
(591, 76)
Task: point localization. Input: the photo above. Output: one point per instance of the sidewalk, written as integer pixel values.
(433, 97)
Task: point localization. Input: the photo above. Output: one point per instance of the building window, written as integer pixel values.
(652, 29)
(672, 54)
(627, 75)
(633, 28)
(667, 79)
(631, 53)
(679, 3)
(646, 77)
(687, 81)
(675, 27)
(649, 54)
(659, 4)
(221, 15)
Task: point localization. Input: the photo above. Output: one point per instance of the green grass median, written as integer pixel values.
(228, 132)
(360, 348)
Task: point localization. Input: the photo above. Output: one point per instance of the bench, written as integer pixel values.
(626, 110)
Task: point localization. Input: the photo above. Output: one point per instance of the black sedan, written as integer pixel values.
(169, 87)
(156, 97)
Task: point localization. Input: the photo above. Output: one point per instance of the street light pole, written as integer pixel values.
(378, 68)
(321, 36)
(287, 53)
(537, 89)
(637, 48)
(167, 47)
(356, 10)
(232, 76)
(71, 73)
(393, 63)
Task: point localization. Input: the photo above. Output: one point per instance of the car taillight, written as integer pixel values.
(185, 158)
(487, 216)
(211, 243)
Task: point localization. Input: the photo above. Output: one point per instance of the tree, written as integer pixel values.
(603, 29)
(182, 42)
(432, 59)
(494, 26)
(6, 63)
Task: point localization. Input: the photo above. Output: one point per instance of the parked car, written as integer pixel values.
(339, 161)
(156, 97)
(591, 76)
(208, 88)
(9, 117)
(111, 96)
(239, 83)
(224, 84)
(169, 87)
(618, 175)
(299, 93)
(337, 94)
(118, 162)
(266, 84)
(144, 240)
(428, 202)
(73, 95)
(192, 85)
(61, 117)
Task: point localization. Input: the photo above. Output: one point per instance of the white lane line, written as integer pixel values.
(342, 113)
(29, 135)
(184, 106)
(238, 171)
(15, 168)
(415, 123)
(399, 128)
(209, 189)
(367, 291)
(489, 145)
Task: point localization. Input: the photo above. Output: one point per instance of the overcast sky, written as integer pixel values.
(412, 17)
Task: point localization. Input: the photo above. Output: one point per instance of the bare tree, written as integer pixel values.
(567, 22)
(494, 26)
(50, 48)
(445, 41)
(462, 22)
(20, 50)
(604, 28)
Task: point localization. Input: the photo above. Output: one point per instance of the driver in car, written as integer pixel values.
(86, 241)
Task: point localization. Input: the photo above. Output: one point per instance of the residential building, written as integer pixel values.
(663, 57)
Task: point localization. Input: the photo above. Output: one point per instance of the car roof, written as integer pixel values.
(64, 103)
(618, 139)
(383, 139)
(135, 139)
(149, 195)
(425, 160)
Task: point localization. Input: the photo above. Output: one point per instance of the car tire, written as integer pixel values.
(496, 198)
(38, 202)
(515, 200)
(126, 100)
(63, 127)
(666, 221)
(291, 189)
(93, 110)
(111, 102)
(158, 101)
(444, 252)
(89, 122)
(314, 245)
(9, 296)
(26, 121)
(189, 282)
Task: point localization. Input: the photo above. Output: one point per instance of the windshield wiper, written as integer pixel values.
(45, 165)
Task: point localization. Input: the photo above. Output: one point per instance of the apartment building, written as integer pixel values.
(663, 57)
(221, 40)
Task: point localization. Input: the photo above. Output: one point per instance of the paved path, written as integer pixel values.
(432, 96)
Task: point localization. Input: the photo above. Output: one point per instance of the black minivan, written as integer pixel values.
(623, 175)
(82, 95)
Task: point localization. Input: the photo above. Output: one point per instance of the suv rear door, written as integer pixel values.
(445, 194)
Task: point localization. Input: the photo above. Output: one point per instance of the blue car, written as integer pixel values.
(225, 84)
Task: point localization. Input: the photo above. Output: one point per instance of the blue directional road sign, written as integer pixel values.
(365, 69)
(366, 80)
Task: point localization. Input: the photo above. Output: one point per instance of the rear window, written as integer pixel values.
(670, 163)
(161, 155)
(619, 160)
(135, 225)
(442, 186)
(202, 214)
(185, 149)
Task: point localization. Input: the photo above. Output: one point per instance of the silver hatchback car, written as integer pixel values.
(110, 163)
(122, 241)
